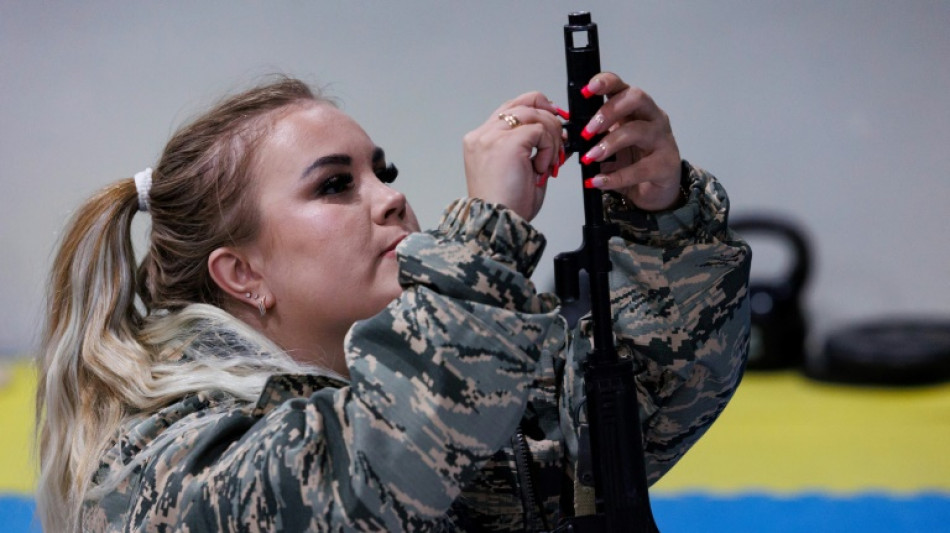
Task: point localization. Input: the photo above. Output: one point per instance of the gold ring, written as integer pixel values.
(512, 120)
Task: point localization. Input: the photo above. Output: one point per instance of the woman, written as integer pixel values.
(301, 357)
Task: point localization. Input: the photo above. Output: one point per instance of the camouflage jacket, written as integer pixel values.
(467, 371)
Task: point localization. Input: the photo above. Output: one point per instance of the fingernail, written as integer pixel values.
(554, 172)
(593, 127)
(594, 154)
(562, 156)
(594, 183)
(541, 180)
(592, 88)
(566, 115)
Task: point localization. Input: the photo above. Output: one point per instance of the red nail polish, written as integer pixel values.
(566, 115)
(585, 90)
(554, 172)
(587, 160)
(587, 135)
(543, 181)
(589, 183)
(562, 156)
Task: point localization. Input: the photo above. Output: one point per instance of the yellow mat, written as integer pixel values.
(17, 467)
(782, 434)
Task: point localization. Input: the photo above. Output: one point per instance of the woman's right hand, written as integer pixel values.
(508, 160)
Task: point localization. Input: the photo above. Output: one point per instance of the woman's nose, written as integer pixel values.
(388, 204)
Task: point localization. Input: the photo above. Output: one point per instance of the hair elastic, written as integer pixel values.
(143, 184)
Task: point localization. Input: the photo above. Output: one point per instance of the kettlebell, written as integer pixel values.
(779, 327)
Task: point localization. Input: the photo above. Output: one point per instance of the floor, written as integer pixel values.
(793, 455)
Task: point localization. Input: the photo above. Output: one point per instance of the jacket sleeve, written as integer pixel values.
(679, 289)
(439, 382)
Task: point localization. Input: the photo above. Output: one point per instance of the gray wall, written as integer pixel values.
(833, 113)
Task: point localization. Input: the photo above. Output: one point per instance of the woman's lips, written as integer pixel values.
(391, 249)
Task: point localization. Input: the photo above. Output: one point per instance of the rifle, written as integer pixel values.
(616, 442)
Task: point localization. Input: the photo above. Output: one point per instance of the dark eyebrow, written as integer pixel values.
(327, 160)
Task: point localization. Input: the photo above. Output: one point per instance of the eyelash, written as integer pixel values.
(338, 183)
(388, 174)
(335, 184)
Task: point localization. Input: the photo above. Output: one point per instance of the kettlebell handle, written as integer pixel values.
(771, 225)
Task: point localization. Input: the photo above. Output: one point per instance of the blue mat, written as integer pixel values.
(814, 513)
(721, 514)
(16, 514)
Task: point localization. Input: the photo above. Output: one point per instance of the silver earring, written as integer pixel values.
(260, 305)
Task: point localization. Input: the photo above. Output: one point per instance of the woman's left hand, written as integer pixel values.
(647, 165)
(509, 158)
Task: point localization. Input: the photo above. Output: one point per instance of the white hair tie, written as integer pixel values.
(143, 184)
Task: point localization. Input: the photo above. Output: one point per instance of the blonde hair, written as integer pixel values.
(115, 333)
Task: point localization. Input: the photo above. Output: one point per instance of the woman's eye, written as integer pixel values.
(335, 184)
(387, 174)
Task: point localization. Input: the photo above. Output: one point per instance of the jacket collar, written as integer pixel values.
(282, 387)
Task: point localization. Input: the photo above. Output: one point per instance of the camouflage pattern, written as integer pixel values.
(467, 370)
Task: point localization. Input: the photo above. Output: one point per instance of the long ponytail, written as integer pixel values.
(90, 351)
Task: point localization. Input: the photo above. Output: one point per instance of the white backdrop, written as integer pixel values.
(833, 113)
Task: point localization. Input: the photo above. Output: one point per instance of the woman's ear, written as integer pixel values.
(234, 274)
